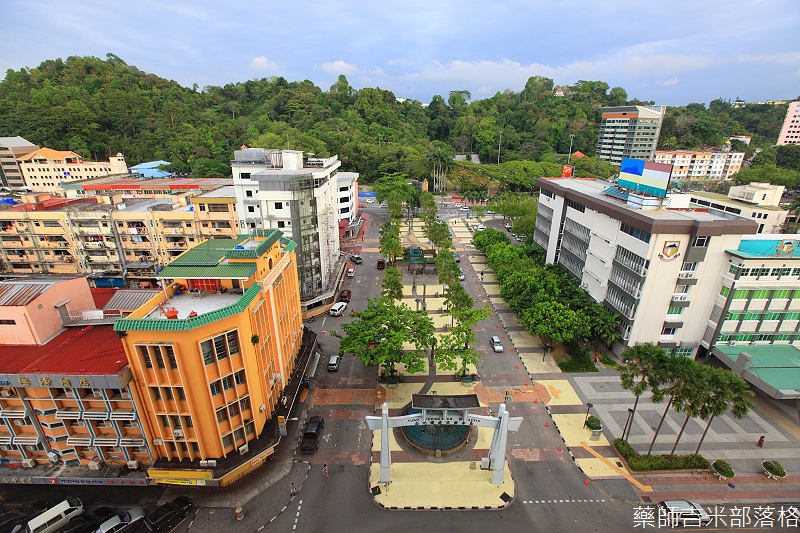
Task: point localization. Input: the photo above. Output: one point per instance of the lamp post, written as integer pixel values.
(627, 423)
(588, 408)
(569, 156)
(498, 146)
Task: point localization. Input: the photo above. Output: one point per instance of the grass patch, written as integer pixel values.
(659, 462)
(607, 361)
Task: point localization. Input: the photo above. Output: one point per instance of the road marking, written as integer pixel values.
(542, 502)
(620, 471)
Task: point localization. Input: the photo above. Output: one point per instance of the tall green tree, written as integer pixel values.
(642, 369)
(727, 392)
(678, 376)
(392, 284)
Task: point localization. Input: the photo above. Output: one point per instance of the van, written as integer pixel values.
(333, 363)
(381, 264)
(169, 516)
(338, 309)
(497, 345)
(53, 518)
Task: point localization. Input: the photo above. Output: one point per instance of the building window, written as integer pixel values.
(195, 447)
(168, 394)
(180, 393)
(227, 441)
(222, 415)
(675, 310)
(164, 420)
(238, 435)
(668, 331)
(227, 382)
(725, 291)
(156, 393)
(251, 209)
(244, 404)
(176, 421)
(239, 376)
(220, 347)
(701, 242)
(215, 388)
(281, 224)
(187, 422)
(159, 358)
(233, 409)
(249, 194)
(146, 361)
(7, 322)
(278, 205)
(575, 205)
(249, 427)
(201, 207)
(173, 362)
(635, 232)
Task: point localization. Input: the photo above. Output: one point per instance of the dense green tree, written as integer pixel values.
(392, 284)
(642, 369)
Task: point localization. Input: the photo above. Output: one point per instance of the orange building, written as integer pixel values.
(211, 353)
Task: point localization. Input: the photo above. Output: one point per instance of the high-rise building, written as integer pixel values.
(698, 165)
(281, 189)
(10, 149)
(629, 131)
(790, 132)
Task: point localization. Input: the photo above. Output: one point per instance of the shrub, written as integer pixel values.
(659, 462)
(723, 468)
(774, 468)
(607, 361)
(594, 423)
(580, 359)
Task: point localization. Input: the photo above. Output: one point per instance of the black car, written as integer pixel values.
(88, 522)
(312, 434)
(168, 516)
(356, 259)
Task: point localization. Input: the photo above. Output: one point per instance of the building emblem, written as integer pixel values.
(786, 247)
(84, 382)
(25, 382)
(45, 382)
(670, 251)
(65, 382)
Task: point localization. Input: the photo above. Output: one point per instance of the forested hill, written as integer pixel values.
(99, 107)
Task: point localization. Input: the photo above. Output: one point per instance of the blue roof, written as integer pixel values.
(767, 248)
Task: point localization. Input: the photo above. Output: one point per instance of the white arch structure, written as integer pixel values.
(501, 423)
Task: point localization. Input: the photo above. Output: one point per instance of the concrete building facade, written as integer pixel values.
(347, 196)
(759, 202)
(281, 189)
(10, 171)
(656, 268)
(45, 169)
(212, 351)
(629, 131)
(790, 131)
(696, 165)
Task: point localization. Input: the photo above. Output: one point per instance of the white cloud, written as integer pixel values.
(339, 67)
(262, 63)
(668, 83)
(779, 58)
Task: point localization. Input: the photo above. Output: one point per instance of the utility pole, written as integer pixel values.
(498, 146)
(569, 156)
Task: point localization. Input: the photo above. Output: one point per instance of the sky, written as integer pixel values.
(673, 52)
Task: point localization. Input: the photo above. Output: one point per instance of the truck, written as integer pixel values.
(311, 434)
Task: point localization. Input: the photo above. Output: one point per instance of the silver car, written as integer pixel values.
(123, 521)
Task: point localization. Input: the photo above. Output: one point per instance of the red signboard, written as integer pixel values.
(566, 171)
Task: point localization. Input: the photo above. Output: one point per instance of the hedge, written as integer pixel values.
(580, 359)
(593, 423)
(659, 462)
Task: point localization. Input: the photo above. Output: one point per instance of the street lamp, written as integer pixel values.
(569, 156)
(498, 146)
(588, 408)
(627, 422)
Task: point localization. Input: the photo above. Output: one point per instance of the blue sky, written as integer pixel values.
(671, 51)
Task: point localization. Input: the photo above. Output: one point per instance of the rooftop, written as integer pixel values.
(21, 293)
(228, 191)
(131, 182)
(94, 350)
(198, 303)
(768, 246)
(12, 142)
(774, 369)
(728, 200)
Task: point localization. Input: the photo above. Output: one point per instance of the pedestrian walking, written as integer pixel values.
(292, 490)
(325, 470)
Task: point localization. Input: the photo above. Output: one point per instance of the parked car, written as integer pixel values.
(456, 257)
(333, 363)
(344, 296)
(381, 264)
(370, 201)
(481, 227)
(683, 513)
(356, 259)
(351, 272)
(465, 208)
(43, 520)
(338, 309)
(520, 237)
(461, 276)
(508, 226)
(124, 521)
(169, 516)
(496, 343)
(311, 434)
(88, 522)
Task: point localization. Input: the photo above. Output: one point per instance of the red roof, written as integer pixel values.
(578, 155)
(102, 296)
(93, 350)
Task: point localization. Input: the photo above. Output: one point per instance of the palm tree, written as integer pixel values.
(640, 371)
(727, 392)
(692, 397)
(679, 370)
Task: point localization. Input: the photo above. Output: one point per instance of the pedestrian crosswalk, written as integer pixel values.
(563, 501)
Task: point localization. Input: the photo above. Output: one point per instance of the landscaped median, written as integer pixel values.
(643, 463)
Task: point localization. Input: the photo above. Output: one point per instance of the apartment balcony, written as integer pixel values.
(133, 245)
(93, 317)
(53, 244)
(49, 230)
(176, 243)
(89, 230)
(680, 297)
(100, 258)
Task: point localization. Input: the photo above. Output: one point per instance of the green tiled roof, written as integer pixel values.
(186, 324)
(258, 251)
(207, 253)
(221, 271)
(288, 244)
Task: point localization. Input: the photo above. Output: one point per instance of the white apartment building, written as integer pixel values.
(45, 169)
(281, 189)
(629, 131)
(658, 269)
(10, 171)
(697, 165)
(759, 202)
(347, 203)
(790, 131)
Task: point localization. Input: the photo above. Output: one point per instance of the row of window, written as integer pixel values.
(756, 337)
(635, 232)
(575, 205)
(238, 434)
(233, 409)
(764, 316)
(227, 383)
(167, 393)
(220, 347)
(760, 294)
(764, 271)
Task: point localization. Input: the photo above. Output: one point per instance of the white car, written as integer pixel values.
(465, 208)
(122, 521)
(370, 201)
(338, 309)
(490, 212)
(508, 226)
(480, 227)
(456, 205)
(520, 237)
(461, 276)
(351, 272)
